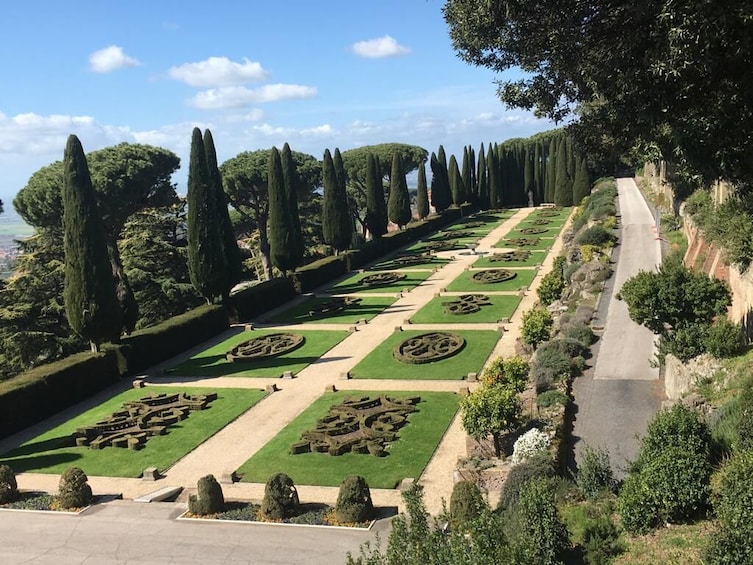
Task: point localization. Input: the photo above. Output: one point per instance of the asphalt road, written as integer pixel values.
(617, 397)
(126, 532)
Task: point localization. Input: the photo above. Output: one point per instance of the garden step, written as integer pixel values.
(159, 495)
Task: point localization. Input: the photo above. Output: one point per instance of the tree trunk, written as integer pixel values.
(94, 346)
(266, 262)
(497, 450)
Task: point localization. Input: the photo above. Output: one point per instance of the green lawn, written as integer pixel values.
(390, 265)
(502, 306)
(407, 456)
(52, 452)
(464, 282)
(551, 231)
(380, 364)
(542, 244)
(530, 221)
(352, 284)
(543, 213)
(212, 362)
(367, 308)
(535, 258)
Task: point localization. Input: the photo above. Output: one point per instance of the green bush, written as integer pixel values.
(550, 364)
(74, 490)
(678, 426)
(744, 428)
(552, 397)
(353, 501)
(595, 235)
(466, 504)
(728, 547)
(8, 485)
(733, 500)
(253, 301)
(600, 541)
(280, 497)
(686, 342)
(637, 506)
(536, 326)
(594, 475)
(537, 467)
(580, 332)
(308, 277)
(209, 499)
(553, 283)
(544, 537)
(725, 339)
(512, 372)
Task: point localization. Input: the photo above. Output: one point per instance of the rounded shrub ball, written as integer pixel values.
(466, 503)
(280, 497)
(209, 499)
(8, 485)
(353, 501)
(74, 490)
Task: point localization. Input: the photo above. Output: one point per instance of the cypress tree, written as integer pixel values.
(492, 172)
(376, 208)
(398, 204)
(337, 227)
(279, 222)
(551, 170)
(441, 157)
(538, 188)
(457, 188)
(206, 262)
(422, 196)
(291, 184)
(482, 180)
(474, 182)
(563, 193)
(91, 304)
(466, 174)
(528, 182)
(231, 253)
(582, 182)
(440, 185)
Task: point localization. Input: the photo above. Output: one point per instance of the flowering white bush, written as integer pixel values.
(531, 443)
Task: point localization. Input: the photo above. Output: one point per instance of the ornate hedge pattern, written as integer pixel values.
(428, 347)
(140, 420)
(381, 279)
(262, 347)
(533, 231)
(523, 241)
(466, 304)
(358, 425)
(333, 305)
(517, 255)
(491, 276)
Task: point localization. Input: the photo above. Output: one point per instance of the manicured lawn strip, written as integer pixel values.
(433, 263)
(536, 258)
(48, 452)
(542, 245)
(350, 285)
(464, 282)
(367, 308)
(552, 222)
(212, 362)
(502, 306)
(380, 364)
(407, 456)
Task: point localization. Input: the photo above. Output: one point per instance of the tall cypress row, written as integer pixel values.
(398, 204)
(440, 185)
(582, 182)
(457, 187)
(482, 180)
(492, 173)
(230, 253)
(376, 208)
(279, 222)
(551, 170)
(473, 188)
(206, 261)
(466, 174)
(91, 304)
(441, 157)
(291, 184)
(337, 227)
(422, 195)
(528, 174)
(538, 191)
(563, 192)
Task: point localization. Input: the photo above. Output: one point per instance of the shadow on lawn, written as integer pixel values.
(300, 315)
(42, 446)
(35, 462)
(218, 366)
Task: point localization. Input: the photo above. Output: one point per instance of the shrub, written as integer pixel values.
(595, 235)
(674, 486)
(678, 426)
(587, 252)
(733, 500)
(280, 497)
(549, 365)
(744, 428)
(535, 468)
(600, 541)
(544, 537)
(536, 326)
(8, 485)
(353, 501)
(553, 283)
(552, 397)
(512, 373)
(686, 342)
(466, 504)
(209, 500)
(532, 443)
(724, 339)
(594, 473)
(74, 490)
(580, 332)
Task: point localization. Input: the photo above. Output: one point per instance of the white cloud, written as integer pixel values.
(110, 59)
(318, 131)
(380, 47)
(240, 96)
(218, 71)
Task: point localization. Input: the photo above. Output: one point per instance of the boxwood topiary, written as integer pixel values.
(8, 485)
(209, 500)
(353, 501)
(280, 497)
(466, 503)
(74, 490)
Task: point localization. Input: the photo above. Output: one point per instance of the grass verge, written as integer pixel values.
(502, 306)
(367, 308)
(352, 284)
(535, 258)
(465, 283)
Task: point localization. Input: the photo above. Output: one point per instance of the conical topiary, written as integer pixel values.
(353, 501)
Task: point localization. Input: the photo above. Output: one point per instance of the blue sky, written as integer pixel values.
(340, 73)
